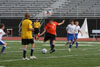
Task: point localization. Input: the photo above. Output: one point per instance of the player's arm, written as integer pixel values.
(67, 29)
(0, 32)
(61, 22)
(39, 27)
(30, 27)
(42, 32)
(81, 32)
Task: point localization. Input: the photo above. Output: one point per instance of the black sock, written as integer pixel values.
(24, 53)
(52, 47)
(32, 50)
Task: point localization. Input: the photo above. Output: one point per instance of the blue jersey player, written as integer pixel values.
(77, 30)
(70, 33)
(2, 27)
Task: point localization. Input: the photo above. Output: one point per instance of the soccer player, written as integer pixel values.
(26, 36)
(50, 28)
(36, 26)
(77, 30)
(70, 29)
(2, 27)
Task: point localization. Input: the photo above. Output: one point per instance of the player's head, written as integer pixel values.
(51, 21)
(36, 20)
(77, 23)
(2, 26)
(72, 22)
(27, 15)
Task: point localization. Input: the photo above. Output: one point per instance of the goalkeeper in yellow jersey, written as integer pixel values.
(36, 26)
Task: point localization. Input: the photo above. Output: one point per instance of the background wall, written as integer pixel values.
(61, 30)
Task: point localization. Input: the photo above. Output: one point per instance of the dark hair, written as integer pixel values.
(76, 21)
(71, 20)
(2, 25)
(27, 15)
(51, 20)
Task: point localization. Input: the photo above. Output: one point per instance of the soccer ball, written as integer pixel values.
(44, 50)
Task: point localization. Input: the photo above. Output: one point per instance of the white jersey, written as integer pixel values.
(77, 29)
(1, 33)
(71, 28)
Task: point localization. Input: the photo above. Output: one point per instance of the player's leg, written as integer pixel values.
(70, 39)
(4, 46)
(46, 37)
(25, 43)
(52, 44)
(76, 43)
(38, 36)
(35, 36)
(32, 49)
(36, 33)
(25, 50)
(76, 40)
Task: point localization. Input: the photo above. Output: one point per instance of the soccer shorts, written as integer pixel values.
(2, 42)
(70, 37)
(49, 36)
(36, 30)
(27, 41)
(76, 36)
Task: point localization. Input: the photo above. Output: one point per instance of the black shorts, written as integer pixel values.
(36, 30)
(49, 36)
(27, 41)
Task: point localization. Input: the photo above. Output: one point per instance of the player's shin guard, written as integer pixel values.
(52, 45)
(3, 48)
(76, 44)
(24, 53)
(70, 46)
(73, 42)
(32, 50)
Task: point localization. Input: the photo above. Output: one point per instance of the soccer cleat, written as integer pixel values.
(32, 57)
(26, 58)
(76, 46)
(51, 51)
(69, 49)
(2, 53)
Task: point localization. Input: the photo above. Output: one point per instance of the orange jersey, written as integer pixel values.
(51, 28)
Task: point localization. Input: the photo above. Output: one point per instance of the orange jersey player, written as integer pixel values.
(50, 28)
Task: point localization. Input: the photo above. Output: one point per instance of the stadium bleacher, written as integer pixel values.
(69, 8)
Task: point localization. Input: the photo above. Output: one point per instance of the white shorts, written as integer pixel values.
(2, 42)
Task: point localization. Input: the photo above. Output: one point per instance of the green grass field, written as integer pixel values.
(87, 55)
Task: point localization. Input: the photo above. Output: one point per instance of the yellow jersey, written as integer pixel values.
(36, 25)
(25, 33)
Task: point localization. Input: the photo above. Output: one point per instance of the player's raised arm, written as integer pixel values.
(61, 22)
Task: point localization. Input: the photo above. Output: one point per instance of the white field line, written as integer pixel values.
(48, 50)
(64, 45)
(2, 66)
(51, 57)
(34, 48)
(58, 42)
